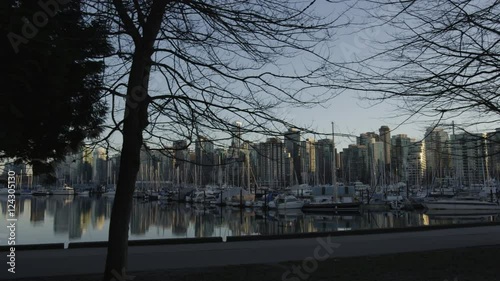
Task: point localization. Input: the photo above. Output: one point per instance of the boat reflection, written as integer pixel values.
(56, 219)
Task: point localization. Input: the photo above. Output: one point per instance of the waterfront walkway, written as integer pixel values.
(191, 257)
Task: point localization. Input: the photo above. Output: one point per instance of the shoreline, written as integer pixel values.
(230, 239)
(470, 263)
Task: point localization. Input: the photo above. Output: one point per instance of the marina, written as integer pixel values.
(65, 219)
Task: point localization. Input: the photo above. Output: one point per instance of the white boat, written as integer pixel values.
(226, 196)
(152, 196)
(461, 214)
(66, 190)
(202, 196)
(288, 202)
(40, 192)
(237, 201)
(443, 192)
(83, 193)
(137, 194)
(395, 202)
(461, 204)
(209, 198)
(110, 193)
(4, 191)
(258, 204)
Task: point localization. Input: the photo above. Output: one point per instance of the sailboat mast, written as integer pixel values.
(248, 169)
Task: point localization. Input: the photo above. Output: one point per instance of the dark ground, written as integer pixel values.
(477, 263)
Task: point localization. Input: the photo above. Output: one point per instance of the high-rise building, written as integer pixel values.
(324, 159)
(219, 171)
(376, 163)
(235, 156)
(204, 150)
(385, 138)
(470, 161)
(272, 163)
(236, 133)
(366, 138)
(437, 154)
(375, 157)
(292, 144)
(113, 168)
(181, 153)
(308, 161)
(493, 140)
(355, 163)
(416, 163)
(400, 149)
(85, 169)
(99, 166)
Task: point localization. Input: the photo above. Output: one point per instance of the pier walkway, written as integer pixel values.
(39, 263)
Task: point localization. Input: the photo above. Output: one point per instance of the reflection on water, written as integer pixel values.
(60, 219)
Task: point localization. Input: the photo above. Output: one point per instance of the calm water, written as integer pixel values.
(60, 219)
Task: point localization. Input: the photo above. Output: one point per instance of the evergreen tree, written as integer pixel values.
(52, 60)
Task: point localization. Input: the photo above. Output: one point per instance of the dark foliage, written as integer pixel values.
(51, 81)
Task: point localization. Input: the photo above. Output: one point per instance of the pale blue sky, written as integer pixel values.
(350, 114)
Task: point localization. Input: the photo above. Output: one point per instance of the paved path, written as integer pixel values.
(38, 263)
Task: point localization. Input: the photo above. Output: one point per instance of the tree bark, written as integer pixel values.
(136, 119)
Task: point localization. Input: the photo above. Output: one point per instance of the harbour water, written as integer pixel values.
(65, 219)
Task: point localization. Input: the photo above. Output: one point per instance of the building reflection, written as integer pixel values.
(87, 218)
(38, 206)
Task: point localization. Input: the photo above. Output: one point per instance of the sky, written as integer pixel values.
(350, 114)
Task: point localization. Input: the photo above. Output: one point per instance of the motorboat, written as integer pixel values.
(40, 192)
(287, 202)
(327, 204)
(442, 193)
(225, 196)
(109, 193)
(83, 193)
(209, 199)
(456, 214)
(24, 192)
(248, 203)
(266, 200)
(66, 190)
(137, 194)
(202, 196)
(240, 201)
(461, 204)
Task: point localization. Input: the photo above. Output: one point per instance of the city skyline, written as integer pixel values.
(293, 159)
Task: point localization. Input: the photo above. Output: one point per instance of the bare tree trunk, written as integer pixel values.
(136, 119)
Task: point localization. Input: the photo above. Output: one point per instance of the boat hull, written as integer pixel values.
(40, 193)
(433, 213)
(288, 206)
(332, 207)
(63, 192)
(454, 205)
(109, 194)
(4, 191)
